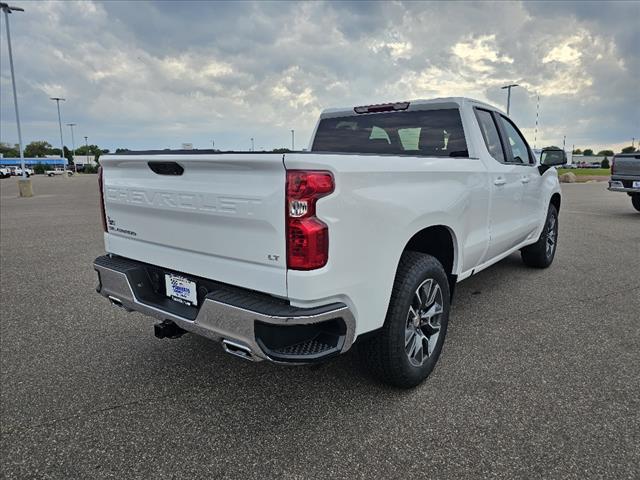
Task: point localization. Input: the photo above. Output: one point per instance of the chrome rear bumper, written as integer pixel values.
(618, 186)
(228, 316)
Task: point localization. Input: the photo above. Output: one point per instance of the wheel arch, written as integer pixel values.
(440, 242)
(555, 201)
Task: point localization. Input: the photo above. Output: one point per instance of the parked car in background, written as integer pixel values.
(292, 257)
(625, 176)
(5, 172)
(58, 171)
(18, 171)
(584, 164)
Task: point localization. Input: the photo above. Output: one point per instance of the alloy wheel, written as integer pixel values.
(551, 235)
(423, 322)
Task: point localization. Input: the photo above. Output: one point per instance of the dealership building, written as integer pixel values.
(33, 161)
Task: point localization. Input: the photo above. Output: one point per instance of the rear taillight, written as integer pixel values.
(103, 215)
(307, 236)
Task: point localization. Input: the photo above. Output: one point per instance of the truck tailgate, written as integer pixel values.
(627, 166)
(222, 218)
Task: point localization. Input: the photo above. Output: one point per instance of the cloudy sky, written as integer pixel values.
(155, 75)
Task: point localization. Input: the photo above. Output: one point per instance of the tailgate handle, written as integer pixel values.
(166, 168)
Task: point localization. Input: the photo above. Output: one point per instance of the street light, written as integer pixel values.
(252, 145)
(509, 87)
(293, 143)
(7, 10)
(58, 100)
(86, 152)
(73, 146)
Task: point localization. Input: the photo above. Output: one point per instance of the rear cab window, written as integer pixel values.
(433, 133)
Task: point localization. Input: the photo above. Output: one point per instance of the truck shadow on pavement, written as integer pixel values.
(200, 365)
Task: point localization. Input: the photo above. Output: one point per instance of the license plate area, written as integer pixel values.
(180, 289)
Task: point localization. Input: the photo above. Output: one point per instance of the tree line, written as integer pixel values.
(588, 152)
(42, 148)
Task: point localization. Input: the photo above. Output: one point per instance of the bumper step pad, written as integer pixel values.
(269, 327)
(310, 347)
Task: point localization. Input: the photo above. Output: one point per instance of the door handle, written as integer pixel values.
(525, 179)
(499, 181)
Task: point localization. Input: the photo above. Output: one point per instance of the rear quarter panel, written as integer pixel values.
(379, 203)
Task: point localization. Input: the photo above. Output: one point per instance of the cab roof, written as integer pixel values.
(419, 104)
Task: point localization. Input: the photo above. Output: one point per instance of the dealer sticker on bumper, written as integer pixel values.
(180, 289)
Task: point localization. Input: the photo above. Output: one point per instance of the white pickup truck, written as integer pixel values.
(58, 171)
(293, 257)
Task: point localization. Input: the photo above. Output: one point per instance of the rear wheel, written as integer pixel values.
(405, 351)
(541, 253)
(635, 200)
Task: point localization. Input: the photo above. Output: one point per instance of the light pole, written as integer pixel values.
(252, 145)
(509, 87)
(535, 135)
(7, 10)
(564, 142)
(293, 143)
(73, 146)
(86, 151)
(57, 100)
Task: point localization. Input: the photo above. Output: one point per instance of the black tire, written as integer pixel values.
(635, 201)
(542, 253)
(385, 353)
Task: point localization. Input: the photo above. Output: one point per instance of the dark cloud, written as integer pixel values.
(145, 74)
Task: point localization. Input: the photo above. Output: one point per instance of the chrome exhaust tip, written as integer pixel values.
(237, 349)
(115, 301)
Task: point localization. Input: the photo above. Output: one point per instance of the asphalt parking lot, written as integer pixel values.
(540, 375)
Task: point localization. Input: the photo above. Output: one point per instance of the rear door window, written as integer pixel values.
(377, 133)
(490, 134)
(410, 138)
(433, 133)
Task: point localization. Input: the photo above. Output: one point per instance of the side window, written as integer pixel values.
(490, 134)
(378, 133)
(517, 143)
(409, 137)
